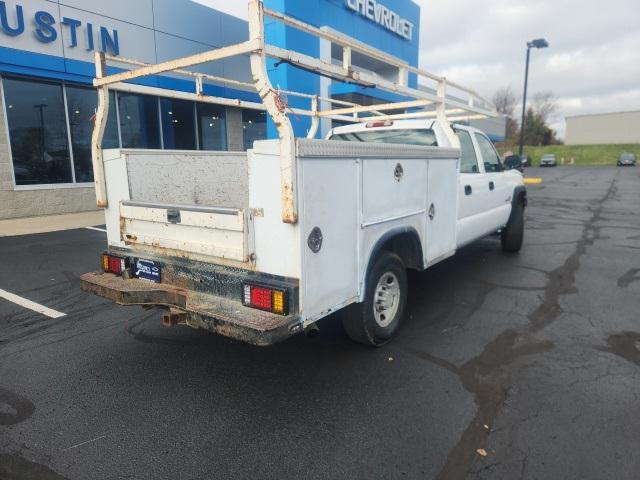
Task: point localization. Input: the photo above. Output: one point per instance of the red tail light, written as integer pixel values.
(112, 264)
(265, 298)
(261, 298)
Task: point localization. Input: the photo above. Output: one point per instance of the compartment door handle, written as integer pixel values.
(173, 216)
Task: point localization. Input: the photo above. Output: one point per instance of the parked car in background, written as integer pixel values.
(627, 159)
(525, 160)
(548, 160)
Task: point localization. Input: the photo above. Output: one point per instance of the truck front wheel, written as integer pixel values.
(513, 234)
(375, 321)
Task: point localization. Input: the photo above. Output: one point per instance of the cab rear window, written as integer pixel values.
(424, 137)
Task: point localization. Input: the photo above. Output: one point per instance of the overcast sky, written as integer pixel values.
(593, 64)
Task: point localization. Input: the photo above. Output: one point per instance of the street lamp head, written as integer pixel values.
(538, 43)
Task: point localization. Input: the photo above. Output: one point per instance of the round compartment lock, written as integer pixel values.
(398, 172)
(315, 240)
(432, 211)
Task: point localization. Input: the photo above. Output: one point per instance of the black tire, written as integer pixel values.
(512, 235)
(359, 320)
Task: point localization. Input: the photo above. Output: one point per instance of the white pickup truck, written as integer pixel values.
(261, 245)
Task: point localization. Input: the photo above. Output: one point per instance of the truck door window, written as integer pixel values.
(490, 157)
(468, 158)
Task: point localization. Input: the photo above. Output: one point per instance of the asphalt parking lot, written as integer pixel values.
(533, 358)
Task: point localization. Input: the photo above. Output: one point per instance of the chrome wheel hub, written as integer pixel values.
(386, 299)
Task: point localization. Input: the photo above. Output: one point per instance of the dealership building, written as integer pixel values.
(47, 104)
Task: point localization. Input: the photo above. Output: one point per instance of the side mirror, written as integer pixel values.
(513, 162)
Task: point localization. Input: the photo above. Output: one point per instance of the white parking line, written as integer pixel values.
(36, 307)
(96, 229)
(84, 443)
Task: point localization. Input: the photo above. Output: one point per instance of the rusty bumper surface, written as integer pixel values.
(217, 314)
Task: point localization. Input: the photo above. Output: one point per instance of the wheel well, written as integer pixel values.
(520, 196)
(406, 244)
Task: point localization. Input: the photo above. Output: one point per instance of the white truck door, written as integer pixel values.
(472, 192)
(498, 188)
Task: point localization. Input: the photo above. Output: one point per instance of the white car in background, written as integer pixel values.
(627, 159)
(548, 160)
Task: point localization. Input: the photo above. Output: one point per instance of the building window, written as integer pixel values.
(178, 124)
(81, 104)
(254, 126)
(52, 146)
(212, 127)
(139, 121)
(38, 132)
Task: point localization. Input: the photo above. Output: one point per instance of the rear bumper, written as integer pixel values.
(201, 310)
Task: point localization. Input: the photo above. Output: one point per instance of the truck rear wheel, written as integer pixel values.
(375, 321)
(513, 234)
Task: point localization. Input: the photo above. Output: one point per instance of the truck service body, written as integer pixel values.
(261, 245)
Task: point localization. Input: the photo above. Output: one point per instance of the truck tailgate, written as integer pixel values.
(211, 231)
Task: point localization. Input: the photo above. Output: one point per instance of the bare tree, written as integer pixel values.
(505, 101)
(545, 105)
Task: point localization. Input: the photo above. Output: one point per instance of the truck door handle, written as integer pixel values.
(492, 186)
(468, 190)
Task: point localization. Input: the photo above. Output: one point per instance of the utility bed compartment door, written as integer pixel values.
(330, 216)
(442, 209)
(216, 232)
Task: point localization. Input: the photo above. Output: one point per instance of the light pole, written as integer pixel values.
(538, 43)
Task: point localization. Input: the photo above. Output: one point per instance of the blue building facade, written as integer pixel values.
(392, 26)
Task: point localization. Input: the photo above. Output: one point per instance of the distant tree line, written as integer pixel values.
(537, 131)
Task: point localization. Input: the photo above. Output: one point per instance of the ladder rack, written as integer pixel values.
(436, 101)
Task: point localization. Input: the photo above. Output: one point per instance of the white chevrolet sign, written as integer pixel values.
(380, 14)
